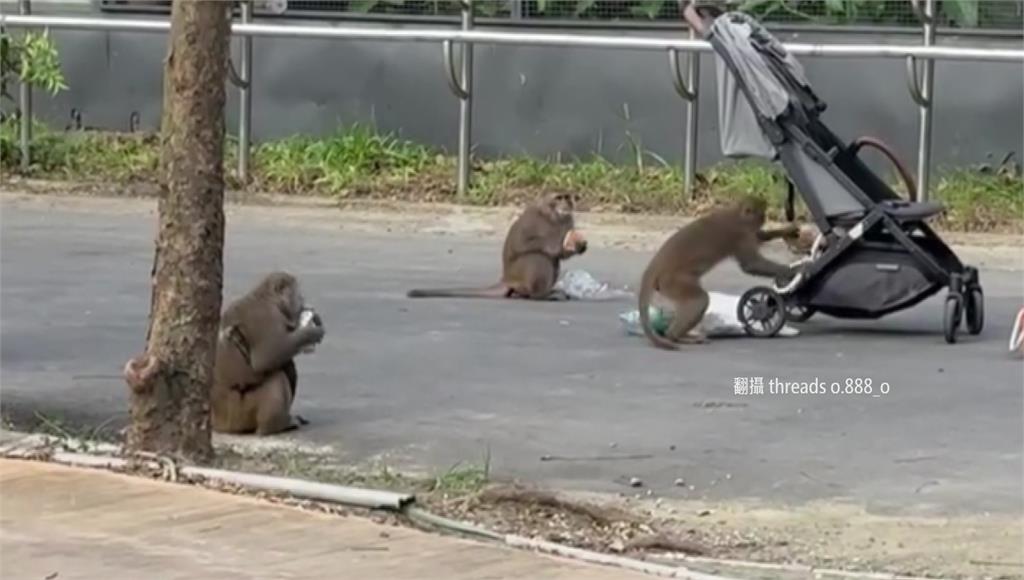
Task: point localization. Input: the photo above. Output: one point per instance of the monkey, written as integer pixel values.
(255, 378)
(537, 242)
(803, 242)
(691, 252)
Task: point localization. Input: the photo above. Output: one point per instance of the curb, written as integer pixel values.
(28, 446)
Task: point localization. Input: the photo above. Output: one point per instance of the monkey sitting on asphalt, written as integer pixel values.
(255, 378)
(537, 242)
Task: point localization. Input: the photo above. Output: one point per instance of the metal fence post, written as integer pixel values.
(465, 102)
(692, 119)
(922, 91)
(687, 89)
(245, 96)
(25, 105)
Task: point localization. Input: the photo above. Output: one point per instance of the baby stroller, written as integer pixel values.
(875, 254)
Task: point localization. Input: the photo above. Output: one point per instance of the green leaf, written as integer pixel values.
(363, 6)
(648, 8)
(583, 6)
(835, 6)
(542, 5)
(873, 9)
(963, 12)
(487, 8)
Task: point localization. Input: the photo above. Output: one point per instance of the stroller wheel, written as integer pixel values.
(952, 315)
(975, 311)
(761, 311)
(798, 313)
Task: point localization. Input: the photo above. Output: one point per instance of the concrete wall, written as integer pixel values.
(543, 101)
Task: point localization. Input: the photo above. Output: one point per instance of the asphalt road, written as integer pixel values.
(556, 391)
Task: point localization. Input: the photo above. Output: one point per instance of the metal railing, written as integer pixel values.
(1004, 17)
(461, 84)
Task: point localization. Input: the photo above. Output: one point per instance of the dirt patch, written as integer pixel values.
(817, 535)
(546, 515)
(634, 232)
(745, 541)
(823, 535)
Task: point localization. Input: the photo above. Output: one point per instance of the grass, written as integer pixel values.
(360, 162)
(57, 426)
(460, 480)
(82, 155)
(982, 200)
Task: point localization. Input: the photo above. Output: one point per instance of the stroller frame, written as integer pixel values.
(870, 235)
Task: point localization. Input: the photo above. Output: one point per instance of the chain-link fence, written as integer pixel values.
(962, 14)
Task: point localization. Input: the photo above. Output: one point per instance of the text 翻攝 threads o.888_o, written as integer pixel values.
(849, 386)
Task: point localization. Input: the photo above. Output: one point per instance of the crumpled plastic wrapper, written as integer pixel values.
(719, 321)
(579, 284)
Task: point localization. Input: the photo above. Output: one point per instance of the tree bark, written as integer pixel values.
(170, 383)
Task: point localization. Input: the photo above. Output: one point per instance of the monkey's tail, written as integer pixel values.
(646, 290)
(498, 290)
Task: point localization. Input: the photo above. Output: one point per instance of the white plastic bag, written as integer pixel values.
(719, 321)
(579, 284)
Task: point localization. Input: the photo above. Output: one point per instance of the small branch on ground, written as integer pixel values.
(535, 497)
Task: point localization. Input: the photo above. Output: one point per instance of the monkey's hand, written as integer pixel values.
(310, 317)
(312, 335)
(574, 243)
(791, 231)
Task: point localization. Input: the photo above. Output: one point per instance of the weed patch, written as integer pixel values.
(362, 163)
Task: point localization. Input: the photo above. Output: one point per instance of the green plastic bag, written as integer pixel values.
(660, 320)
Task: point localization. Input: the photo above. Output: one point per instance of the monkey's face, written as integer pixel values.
(294, 302)
(288, 295)
(562, 204)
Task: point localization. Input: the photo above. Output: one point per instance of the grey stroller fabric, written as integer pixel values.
(747, 44)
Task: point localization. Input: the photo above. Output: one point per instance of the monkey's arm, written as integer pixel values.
(537, 238)
(753, 263)
(273, 353)
(787, 231)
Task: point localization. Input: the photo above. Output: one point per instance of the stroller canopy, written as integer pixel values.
(771, 80)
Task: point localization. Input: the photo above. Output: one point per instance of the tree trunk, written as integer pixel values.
(170, 382)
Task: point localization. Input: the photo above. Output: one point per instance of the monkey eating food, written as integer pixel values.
(537, 242)
(255, 378)
(676, 270)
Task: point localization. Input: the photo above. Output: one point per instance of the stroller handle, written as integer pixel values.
(908, 179)
(695, 19)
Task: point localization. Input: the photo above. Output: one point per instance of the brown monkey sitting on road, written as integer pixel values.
(537, 242)
(254, 376)
(690, 253)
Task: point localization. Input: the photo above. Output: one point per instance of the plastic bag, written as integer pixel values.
(660, 320)
(719, 321)
(579, 284)
(307, 317)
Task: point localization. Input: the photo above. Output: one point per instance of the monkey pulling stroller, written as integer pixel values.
(875, 254)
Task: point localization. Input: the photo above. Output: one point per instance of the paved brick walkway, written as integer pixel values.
(64, 523)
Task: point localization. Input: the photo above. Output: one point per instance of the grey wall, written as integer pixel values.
(543, 101)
